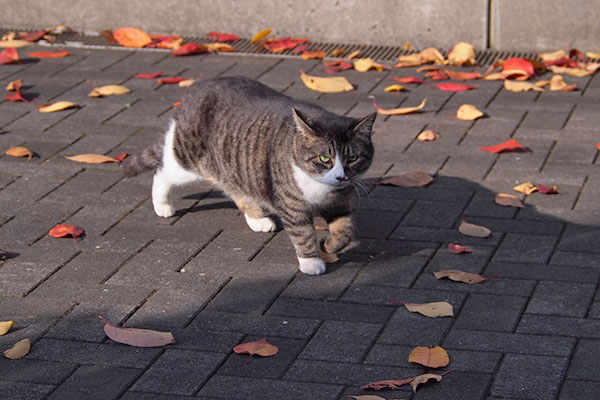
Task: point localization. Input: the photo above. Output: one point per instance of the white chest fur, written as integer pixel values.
(314, 192)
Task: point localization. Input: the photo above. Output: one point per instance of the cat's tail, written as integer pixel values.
(147, 160)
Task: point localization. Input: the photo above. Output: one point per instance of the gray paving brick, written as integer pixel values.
(525, 248)
(33, 371)
(397, 271)
(561, 298)
(178, 372)
(490, 312)
(24, 390)
(579, 390)
(336, 311)
(499, 285)
(443, 236)
(465, 385)
(406, 328)
(541, 272)
(382, 295)
(153, 396)
(559, 326)
(584, 363)
(375, 224)
(433, 214)
(580, 238)
(575, 259)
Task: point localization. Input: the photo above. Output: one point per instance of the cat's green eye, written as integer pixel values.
(324, 159)
(352, 158)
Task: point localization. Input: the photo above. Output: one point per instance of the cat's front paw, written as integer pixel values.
(312, 265)
(336, 243)
(164, 210)
(264, 224)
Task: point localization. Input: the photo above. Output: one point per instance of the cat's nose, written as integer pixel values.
(341, 178)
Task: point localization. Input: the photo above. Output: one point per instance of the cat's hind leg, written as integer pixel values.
(255, 216)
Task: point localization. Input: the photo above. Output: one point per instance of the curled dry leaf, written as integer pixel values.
(575, 72)
(432, 310)
(353, 54)
(395, 88)
(437, 75)
(171, 80)
(428, 55)
(58, 106)
(408, 79)
(432, 357)
(149, 76)
(19, 151)
(218, 46)
(189, 49)
(49, 54)
(5, 327)
(543, 189)
(131, 37)
(399, 110)
(410, 179)
(9, 56)
(137, 337)
(521, 65)
(334, 84)
(515, 86)
(338, 52)
(19, 350)
(423, 379)
(468, 112)
(337, 66)
(526, 188)
(428, 135)
(186, 83)
(504, 147)
(461, 276)
(261, 35)
(392, 384)
(282, 44)
(462, 54)
(553, 56)
(508, 200)
(469, 229)
(92, 158)
(457, 248)
(108, 90)
(14, 86)
(365, 64)
(222, 37)
(260, 347)
(558, 84)
(313, 55)
(64, 230)
(461, 76)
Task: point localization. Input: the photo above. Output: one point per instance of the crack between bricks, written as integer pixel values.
(60, 266)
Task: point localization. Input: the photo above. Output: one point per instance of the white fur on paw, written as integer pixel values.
(312, 265)
(164, 210)
(264, 224)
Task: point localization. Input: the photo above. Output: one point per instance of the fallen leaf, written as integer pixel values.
(462, 54)
(186, 83)
(454, 87)
(457, 248)
(468, 112)
(519, 64)
(495, 76)
(222, 37)
(462, 76)
(137, 337)
(337, 66)
(131, 37)
(5, 327)
(428, 135)
(515, 86)
(505, 147)
(432, 357)
(460, 276)
(422, 379)
(150, 76)
(543, 189)
(553, 56)
(338, 52)
(410, 179)
(171, 80)
(218, 46)
(33, 36)
(469, 229)
(392, 384)
(367, 397)
(558, 84)
(365, 64)
(282, 44)
(58, 106)
(19, 151)
(19, 350)
(261, 35)
(177, 104)
(260, 347)
(575, 72)
(598, 146)
(108, 36)
(9, 56)
(166, 42)
(526, 188)
(64, 230)
(91, 158)
(335, 84)
(49, 54)
(121, 157)
(437, 75)
(592, 55)
(15, 86)
(14, 44)
(108, 90)
(408, 79)
(508, 200)
(432, 310)
(313, 55)
(400, 110)
(189, 49)
(428, 55)
(395, 88)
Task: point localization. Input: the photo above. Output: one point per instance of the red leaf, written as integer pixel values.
(437, 75)
(171, 80)
(32, 36)
(149, 76)
(222, 37)
(49, 54)
(505, 147)
(598, 146)
(563, 62)
(337, 66)
(121, 157)
(454, 87)
(17, 96)
(279, 45)
(189, 49)
(519, 64)
(457, 248)
(300, 49)
(64, 230)
(8, 56)
(177, 104)
(543, 189)
(408, 79)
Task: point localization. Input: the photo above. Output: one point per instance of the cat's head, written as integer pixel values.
(333, 149)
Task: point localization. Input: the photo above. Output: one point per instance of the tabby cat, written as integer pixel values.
(271, 154)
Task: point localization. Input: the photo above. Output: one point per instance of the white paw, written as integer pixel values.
(164, 210)
(311, 266)
(264, 224)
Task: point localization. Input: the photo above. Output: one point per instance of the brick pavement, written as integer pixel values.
(531, 333)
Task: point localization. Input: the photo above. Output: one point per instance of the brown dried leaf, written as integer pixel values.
(137, 337)
(422, 379)
(432, 357)
(260, 347)
(469, 229)
(5, 327)
(386, 384)
(19, 350)
(508, 200)
(459, 276)
(432, 310)
(410, 179)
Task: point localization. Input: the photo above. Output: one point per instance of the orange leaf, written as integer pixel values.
(428, 135)
(408, 79)
(315, 54)
(15, 86)
(177, 104)
(400, 110)
(260, 347)
(508, 200)
(462, 54)
(33, 36)
(49, 54)
(598, 146)
(462, 76)
(469, 229)
(410, 179)
(437, 75)
(171, 80)
(92, 158)
(149, 76)
(222, 37)
(526, 188)
(461, 276)
(282, 44)
(9, 56)
(337, 66)
(505, 147)
(121, 157)
(189, 49)
(435, 357)
(132, 37)
(458, 249)
(454, 87)
(222, 47)
(64, 230)
(19, 151)
(137, 337)
(519, 64)
(261, 35)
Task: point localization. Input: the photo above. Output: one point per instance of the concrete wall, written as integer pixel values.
(503, 24)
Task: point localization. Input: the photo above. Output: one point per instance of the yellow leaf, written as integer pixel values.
(429, 55)
(217, 46)
(558, 84)
(526, 188)
(186, 83)
(19, 151)
(462, 54)
(17, 43)
(395, 88)
(428, 135)
(261, 35)
(5, 326)
(468, 112)
(554, 55)
(400, 110)
(19, 350)
(432, 310)
(92, 158)
(576, 72)
(108, 90)
(422, 379)
(592, 55)
(335, 84)
(433, 357)
(469, 229)
(363, 64)
(515, 86)
(58, 106)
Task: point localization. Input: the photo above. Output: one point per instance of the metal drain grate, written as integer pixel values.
(245, 47)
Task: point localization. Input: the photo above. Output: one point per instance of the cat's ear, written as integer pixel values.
(364, 126)
(301, 123)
